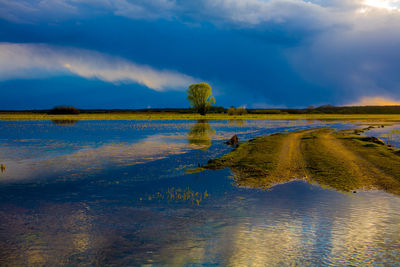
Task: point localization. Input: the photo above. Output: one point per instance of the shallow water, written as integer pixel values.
(115, 193)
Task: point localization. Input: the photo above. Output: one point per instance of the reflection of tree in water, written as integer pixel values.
(200, 135)
(64, 122)
(238, 122)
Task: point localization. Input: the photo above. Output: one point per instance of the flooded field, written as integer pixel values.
(116, 193)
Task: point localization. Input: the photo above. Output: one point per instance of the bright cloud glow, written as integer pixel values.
(243, 13)
(385, 4)
(308, 14)
(32, 60)
(376, 101)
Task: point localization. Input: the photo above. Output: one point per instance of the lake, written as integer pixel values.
(116, 193)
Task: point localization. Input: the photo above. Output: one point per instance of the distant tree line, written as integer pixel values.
(326, 109)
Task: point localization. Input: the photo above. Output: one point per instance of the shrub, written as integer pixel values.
(216, 109)
(231, 111)
(241, 111)
(236, 111)
(64, 110)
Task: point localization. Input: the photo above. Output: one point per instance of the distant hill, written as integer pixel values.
(328, 109)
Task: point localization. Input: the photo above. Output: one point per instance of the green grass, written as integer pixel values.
(252, 161)
(326, 167)
(337, 160)
(179, 116)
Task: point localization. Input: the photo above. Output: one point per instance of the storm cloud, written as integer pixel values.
(288, 53)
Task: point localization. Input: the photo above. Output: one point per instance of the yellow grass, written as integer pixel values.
(180, 116)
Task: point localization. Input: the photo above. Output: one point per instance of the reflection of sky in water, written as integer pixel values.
(101, 193)
(389, 134)
(41, 149)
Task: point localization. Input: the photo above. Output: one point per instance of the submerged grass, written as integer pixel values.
(180, 116)
(339, 160)
(253, 161)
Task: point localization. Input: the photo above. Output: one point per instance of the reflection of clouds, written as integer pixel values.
(30, 158)
(122, 155)
(336, 230)
(247, 242)
(95, 159)
(361, 231)
(342, 230)
(56, 234)
(259, 244)
(332, 230)
(183, 253)
(358, 233)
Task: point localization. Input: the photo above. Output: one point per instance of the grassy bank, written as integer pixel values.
(339, 160)
(179, 116)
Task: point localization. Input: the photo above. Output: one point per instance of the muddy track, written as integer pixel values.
(291, 164)
(360, 169)
(355, 169)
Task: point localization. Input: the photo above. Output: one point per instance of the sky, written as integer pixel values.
(127, 54)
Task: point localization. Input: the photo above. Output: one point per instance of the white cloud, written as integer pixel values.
(311, 14)
(244, 11)
(31, 11)
(385, 4)
(32, 60)
(147, 9)
(250, 13)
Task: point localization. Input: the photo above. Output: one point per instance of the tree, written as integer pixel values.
(200, 98)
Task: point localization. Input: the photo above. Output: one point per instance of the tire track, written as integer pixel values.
(360, 169)
(291, 163)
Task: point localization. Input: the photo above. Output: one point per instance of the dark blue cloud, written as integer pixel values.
(243, 68)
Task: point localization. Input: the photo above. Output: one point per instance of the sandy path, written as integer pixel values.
(291, 164)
